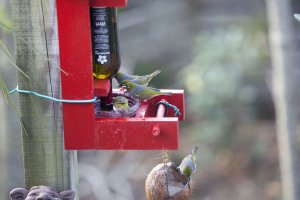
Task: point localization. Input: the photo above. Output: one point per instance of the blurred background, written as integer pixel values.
(218, 52)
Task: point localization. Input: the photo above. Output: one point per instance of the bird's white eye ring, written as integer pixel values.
(127, 86)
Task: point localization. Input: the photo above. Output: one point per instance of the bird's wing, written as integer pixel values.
(187, 161)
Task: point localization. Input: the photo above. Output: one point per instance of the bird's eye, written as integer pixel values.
(127, 86)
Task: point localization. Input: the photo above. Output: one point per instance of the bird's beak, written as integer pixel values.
(122, 88)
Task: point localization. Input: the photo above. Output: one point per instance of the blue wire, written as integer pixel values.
(52, 98)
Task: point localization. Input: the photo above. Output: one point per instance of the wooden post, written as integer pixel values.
(36, 41)
(286, 82)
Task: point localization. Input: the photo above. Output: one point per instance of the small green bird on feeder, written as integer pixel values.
(188, 164)
(140, 80)
(141, 92)
(120, 104)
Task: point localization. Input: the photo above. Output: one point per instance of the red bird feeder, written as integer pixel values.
(149, 129)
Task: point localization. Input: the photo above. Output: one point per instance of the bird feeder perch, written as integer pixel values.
(149, 129)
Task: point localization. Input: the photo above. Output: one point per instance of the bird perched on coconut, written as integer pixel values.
(188, 164)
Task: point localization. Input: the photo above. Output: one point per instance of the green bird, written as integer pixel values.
(140, 80)
(141, 92)
(120, 104)
(188, 164)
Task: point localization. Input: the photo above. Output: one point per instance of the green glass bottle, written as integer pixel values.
(105, 46)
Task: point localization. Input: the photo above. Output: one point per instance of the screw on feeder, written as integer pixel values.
(156, 130)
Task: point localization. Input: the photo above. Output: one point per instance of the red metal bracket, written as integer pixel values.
(101, 87)
(82, 129)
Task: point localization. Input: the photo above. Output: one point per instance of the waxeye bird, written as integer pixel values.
(120, 104)
(141, 92)
(188, 164)
(140, 80)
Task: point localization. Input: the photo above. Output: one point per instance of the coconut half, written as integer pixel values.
(165, 182)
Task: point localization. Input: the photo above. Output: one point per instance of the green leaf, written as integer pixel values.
(11, 59)
(10, 103)
(6, 51)
(5, 22)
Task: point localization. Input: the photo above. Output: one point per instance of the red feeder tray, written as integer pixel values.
(82, 128)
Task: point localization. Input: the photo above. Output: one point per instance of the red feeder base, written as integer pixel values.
(82, 129)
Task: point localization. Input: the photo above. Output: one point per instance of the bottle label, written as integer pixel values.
(100, 32)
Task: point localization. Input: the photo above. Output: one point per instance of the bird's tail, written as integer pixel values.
(193, 153)
(161, 91)
(165, 93)
(155, 73)
(195, 149)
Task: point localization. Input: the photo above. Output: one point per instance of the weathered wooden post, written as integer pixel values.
(36, 41)
(286, 81)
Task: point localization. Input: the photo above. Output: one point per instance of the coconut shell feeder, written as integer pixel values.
(166, 182)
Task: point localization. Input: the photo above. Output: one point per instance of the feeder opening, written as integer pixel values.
(123, 106)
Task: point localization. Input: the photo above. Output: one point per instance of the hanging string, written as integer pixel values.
(52, 98)
(168, 105)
